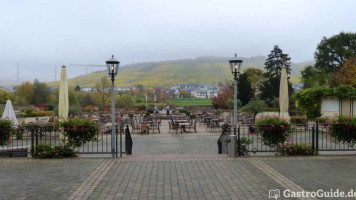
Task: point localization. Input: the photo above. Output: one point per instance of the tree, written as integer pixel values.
(311, 77)
(333, 52)
(184, 94)
(4, 96)
(254, 107)
(102, 92)
(270, 87)
(87, 100)
(24, 93)
(225, 97)
(347, 74)
(125, 101)
(77, 88)
(41, 92)
(255, 76)
(245, 90)
(276, 60)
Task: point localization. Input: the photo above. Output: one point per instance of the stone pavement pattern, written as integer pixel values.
(43, 179)
(172, 177)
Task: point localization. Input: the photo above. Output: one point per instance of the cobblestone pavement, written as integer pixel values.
(43, 179)
(172, 177)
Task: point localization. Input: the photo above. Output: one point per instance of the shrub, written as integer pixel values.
(79, 131)
(343, 130)
(63, 151)
(244, 142)
(75, 110)
(6, 129)
(323, 120)
(43, 151)
(298, 119)
(273, 130)
(297, 150)
(46, 151)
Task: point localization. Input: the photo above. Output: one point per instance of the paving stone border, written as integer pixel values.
(89, 185)
(278, 177)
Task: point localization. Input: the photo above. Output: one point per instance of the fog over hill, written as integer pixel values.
(206, 69)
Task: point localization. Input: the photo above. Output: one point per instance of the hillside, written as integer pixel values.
(198, 70)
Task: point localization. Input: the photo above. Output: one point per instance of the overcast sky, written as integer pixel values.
(41, 34)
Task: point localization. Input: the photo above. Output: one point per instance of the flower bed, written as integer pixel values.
(273, 130)
(343, 130)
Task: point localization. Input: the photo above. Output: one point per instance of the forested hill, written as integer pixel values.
(197, 70)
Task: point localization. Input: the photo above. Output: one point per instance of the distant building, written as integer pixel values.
(212, 93)
(86, 89)
(198, 93)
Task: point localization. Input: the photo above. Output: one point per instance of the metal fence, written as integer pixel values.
(318, 136)
(23, 140)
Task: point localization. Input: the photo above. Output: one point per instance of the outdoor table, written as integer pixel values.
(183, 125)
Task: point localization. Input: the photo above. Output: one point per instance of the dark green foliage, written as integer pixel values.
(46, 151)
(63, 152)
(75, 110)
(244, 142)
(5, 131)
(343, 130)
(245, 90)
(43, 151)
(77, 88)
(312, 77)
(254, 107)
(276, 60)
(273, 130)
(41, 92)
(79, 131)
(297, 150)
(332, 52)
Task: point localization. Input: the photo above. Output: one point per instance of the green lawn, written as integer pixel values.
(184, 102)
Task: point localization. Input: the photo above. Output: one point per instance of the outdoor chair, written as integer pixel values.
(170, 127)
(145, 129)
(175, 127)
(134, 127)
(193, 125)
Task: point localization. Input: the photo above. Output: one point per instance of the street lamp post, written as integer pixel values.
(113, 67)
(235, 66)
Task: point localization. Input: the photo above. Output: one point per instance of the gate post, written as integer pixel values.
(238, 142)
(232, 148)
(317, 136)
(313, 139)
(32, 142)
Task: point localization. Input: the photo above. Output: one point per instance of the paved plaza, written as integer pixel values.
(172, 177)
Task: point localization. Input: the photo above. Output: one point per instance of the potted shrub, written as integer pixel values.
(273, 130)
(79, 131)
(343, 130)
(6, 129)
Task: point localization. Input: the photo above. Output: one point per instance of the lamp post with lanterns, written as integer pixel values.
(113, 67)
(235, 65)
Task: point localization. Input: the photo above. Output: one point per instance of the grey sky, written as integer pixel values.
(40, 34)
